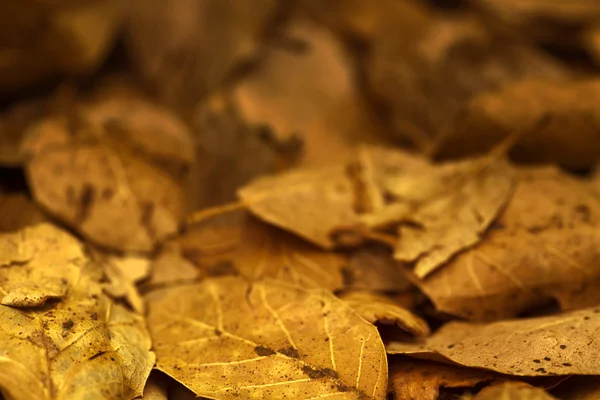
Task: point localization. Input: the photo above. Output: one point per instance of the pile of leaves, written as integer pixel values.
(269, 199)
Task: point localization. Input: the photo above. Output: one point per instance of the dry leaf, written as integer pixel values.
(79, 346)
(324, 198)
(41, 40)
(424, 67)
(226, 338)
(18, 211)
(123, 273)
(199, 44)
(544, 245)
(230, 242)
(512, 391)
(571, 136)
(378, 308)
(561, 344)
(107, 194)
(441, 209)
(171, 267)
(373, 268)
(579, 388)
(422, 380)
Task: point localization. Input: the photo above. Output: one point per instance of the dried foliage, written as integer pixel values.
(221, 199)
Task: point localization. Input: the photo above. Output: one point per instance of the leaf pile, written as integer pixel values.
(310, 200)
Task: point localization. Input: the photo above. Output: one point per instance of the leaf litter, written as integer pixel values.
(393, 199)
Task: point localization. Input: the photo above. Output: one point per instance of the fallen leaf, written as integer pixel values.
(42, 40)
(554, 345)
(38, 263)
(215, 336)
(440, 209)
(373, 268)
(171, 267)
(512, 391)
(79, 346)
(324, 197)
(18, 211)
(109, 196)
(199, 45)
(231, 242)
(570, 106)
(378, 308)
(123, 273)
(422, 380)
(579, 388)
(544, 245)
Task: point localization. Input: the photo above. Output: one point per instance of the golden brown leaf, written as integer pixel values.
(123, 273)
(579, 388)
(233, 242)
(226, 338)
(544, 245)
(378, 308)
(570, 137)
(79, 346)
(373, 268)
(422, 380)
(110, 196)
(324, 198)
(18, 211)
(559, 344)
(512, 391)
(441, 209)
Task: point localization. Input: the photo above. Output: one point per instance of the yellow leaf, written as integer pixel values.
(227, 338)
(512, 391)
(560, 344)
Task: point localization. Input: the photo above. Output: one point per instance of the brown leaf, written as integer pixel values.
(512, 391)
(560, 344)
(18, 211)
(378, 308)
(226, 338)
(199, 44)
(324, 198)
(441, 209)
(107, 194)
(570, 106)
(579, 388)
(42, 40)
(233, 242)
(171, 267)
(544, 245)
(123, 273)
(373, 268)
(81, 345)
(422, 380)
(424, 67)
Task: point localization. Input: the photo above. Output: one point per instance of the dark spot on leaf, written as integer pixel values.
(537, 361)
(566, 364)
(219, 333)
(223, 268)
(331, 373)
(290, 352)
(107, 194)
(68, 324)
(312, 373)
(344, 388)
(586, 318)
(263, 351)
(451, 346)
(563, 346)
(96, 355)
(547, 358)
(94, 316)
(542, 370)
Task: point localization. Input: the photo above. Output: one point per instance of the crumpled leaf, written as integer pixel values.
(440, 209)
(544, 245)
(425, 66)
(422, 380)
(324, 197)
(559, 344)
(38, 263)
(579, 388)
(199, 45)
(570, 137)
(79, 346)
(226, 338)
(512, 391)
(41, 39)
(100, 189)
(377, 308)
(123, 273)
(229, 242)
(17, 211)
